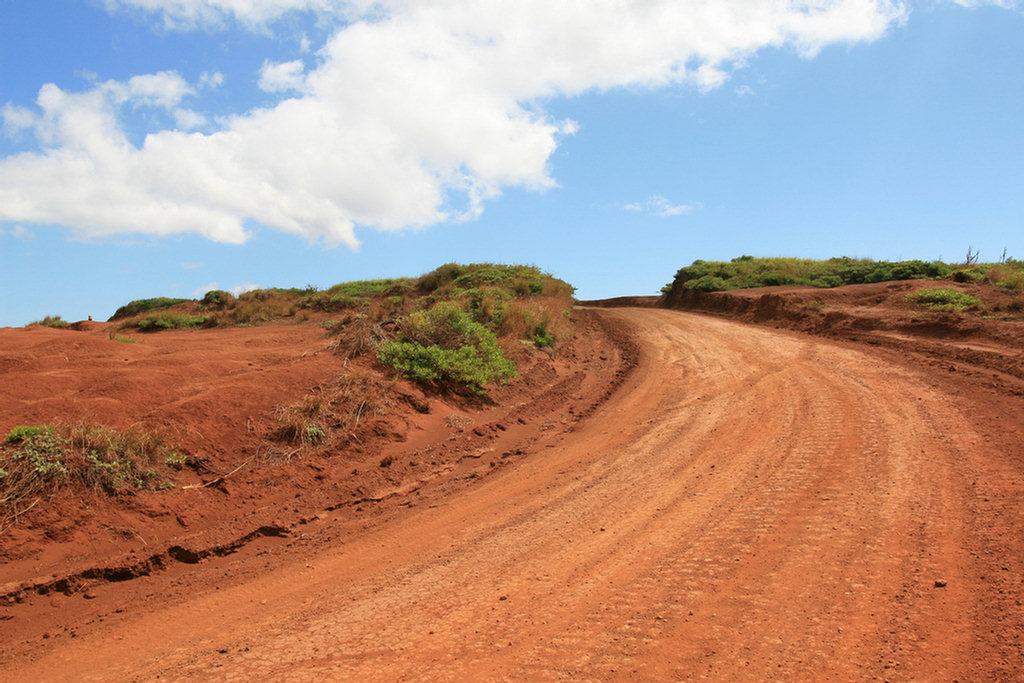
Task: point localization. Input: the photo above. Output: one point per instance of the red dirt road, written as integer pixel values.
(750, 505)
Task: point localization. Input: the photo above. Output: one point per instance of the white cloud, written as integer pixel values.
(1005, 4)
(186, 14)
(660, 206)
(17, 119)
(213, 79)
(188, 119)
(19, 232)
(416, 113)
(281, 76)
(190, 265)
(165, 89)
(243, 288)
(201, 291)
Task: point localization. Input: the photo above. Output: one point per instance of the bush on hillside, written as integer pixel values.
(943, 298)
(444, 346)
(50, 321)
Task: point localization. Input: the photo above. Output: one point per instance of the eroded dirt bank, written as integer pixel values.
(749, 505)
(216, 393)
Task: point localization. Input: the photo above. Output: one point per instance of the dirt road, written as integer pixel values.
(750, 505)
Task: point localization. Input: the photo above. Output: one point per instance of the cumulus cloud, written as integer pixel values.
(415, 113)
(165, 89)
(660, 206)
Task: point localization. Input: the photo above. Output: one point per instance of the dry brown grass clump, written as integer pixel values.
(332, 411)
(356, 335)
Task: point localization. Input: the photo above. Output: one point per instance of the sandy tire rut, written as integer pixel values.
(749, 505)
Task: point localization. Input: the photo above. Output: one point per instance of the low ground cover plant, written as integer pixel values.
(170, 321)
(38, 461)
(943, 299)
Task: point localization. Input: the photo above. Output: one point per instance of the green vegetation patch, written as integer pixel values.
(171, 321)
(445, 346)
(50, 321)
(943, 299)
(369, 288)
(749, 271)
(513, 281)
(39, 461)
(139, 306)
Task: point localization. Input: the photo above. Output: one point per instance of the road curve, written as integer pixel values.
(751, 505)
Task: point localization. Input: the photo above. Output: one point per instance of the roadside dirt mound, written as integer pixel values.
(988, 347)
(214, 394)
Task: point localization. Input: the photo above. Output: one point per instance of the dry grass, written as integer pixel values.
(1006, 276)
(332, 411)
(356, 335)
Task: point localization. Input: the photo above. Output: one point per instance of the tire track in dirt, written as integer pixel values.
(750, 506)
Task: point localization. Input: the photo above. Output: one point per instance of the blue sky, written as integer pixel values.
(164, 148)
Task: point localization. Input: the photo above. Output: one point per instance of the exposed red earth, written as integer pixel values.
(674, 496)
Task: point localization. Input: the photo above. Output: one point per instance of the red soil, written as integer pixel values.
(673, 497)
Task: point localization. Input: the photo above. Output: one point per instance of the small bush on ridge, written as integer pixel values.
(50, 321)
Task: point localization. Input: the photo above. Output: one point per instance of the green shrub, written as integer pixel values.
(943, 298)
(50, 321)
(749, 271)
(361, 289)
(170, 321)
(218, 298)
(515, 281)
(139, 306)
(542, 337)
(708, 283)
(444, 346)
